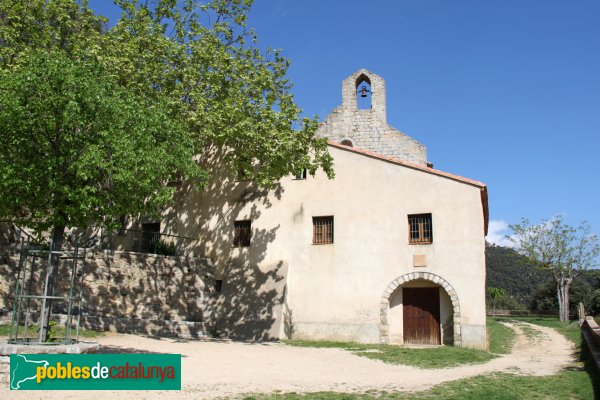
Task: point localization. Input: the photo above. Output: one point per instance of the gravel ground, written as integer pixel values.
(213, 369)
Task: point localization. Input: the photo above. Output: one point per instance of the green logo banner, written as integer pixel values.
(95, 372)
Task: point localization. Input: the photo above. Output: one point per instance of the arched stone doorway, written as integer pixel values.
(392, 290)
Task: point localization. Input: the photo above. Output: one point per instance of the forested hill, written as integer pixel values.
(529, 286)
(509, 270)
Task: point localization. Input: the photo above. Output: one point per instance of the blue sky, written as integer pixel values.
(505, 92)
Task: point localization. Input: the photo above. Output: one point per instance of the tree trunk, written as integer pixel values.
(562, 288)
(58, 237)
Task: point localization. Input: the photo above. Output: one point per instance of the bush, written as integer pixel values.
(164, 248)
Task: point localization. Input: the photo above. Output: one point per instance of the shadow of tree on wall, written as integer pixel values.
(123, 292)
(250, 303)
(145, 293)
(288, 318)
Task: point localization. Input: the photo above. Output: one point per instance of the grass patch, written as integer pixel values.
(436, 357)
(580, 380)
(59, 331)
(501, 340)
(569, 329)
(501, 337)
(566, 385)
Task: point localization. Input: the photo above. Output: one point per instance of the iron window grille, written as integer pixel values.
(242, 233)
(420, 229)
(323, 230)
(150, 237)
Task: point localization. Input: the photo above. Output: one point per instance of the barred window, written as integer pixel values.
(323, 230)
(420, 229)
(242, 233)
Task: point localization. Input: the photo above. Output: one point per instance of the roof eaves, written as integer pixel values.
(407, 164)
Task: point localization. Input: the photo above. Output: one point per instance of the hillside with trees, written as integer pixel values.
(508, 270)
(529, 288)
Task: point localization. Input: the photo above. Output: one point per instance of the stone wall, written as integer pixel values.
(128, 292)
(368, 129)
(161, 295)
(590, 331)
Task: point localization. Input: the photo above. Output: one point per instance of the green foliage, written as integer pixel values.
(501, 337)
(51, 336)
(57, 25)
(438, 357)
(594, 305)
(57, 331)
(508, 270)
(510, 303)
(581, 291)
(234, 99)
(557, 247)
(79, 149)
(530, 288)
(164, 248)
(495, 293)
(565, 251)
(168, 81)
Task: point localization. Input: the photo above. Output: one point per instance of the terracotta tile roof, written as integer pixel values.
(480, 185)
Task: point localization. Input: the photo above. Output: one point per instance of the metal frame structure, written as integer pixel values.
(31, 261)
(31, 290)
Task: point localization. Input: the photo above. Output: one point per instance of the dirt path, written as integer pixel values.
(219, 369)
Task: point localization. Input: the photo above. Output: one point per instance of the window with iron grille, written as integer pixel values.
(150, 237)
(323, 230)
(242, 233)
(420, 229)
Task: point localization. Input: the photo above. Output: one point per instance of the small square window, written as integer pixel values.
(301, 174)
(242, 233)
(218, 285)
(420, 229)
(323, 230)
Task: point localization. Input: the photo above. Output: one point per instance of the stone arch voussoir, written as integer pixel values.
(396, 283)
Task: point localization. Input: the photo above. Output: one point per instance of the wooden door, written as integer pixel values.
(421, 315)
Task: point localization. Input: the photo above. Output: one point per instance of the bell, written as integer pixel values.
(363, 91)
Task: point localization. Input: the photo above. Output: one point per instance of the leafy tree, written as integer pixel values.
(66, 25)
(95, 121)
(202, 57)
(234, 99)
(594, 306)
(79, 149)
(566, 252)
(495, 294)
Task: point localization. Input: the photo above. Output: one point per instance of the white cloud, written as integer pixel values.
(497, 231)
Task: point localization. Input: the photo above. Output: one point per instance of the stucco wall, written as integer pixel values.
(334, 291)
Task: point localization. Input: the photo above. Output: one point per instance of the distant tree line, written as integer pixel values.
(528, 288)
